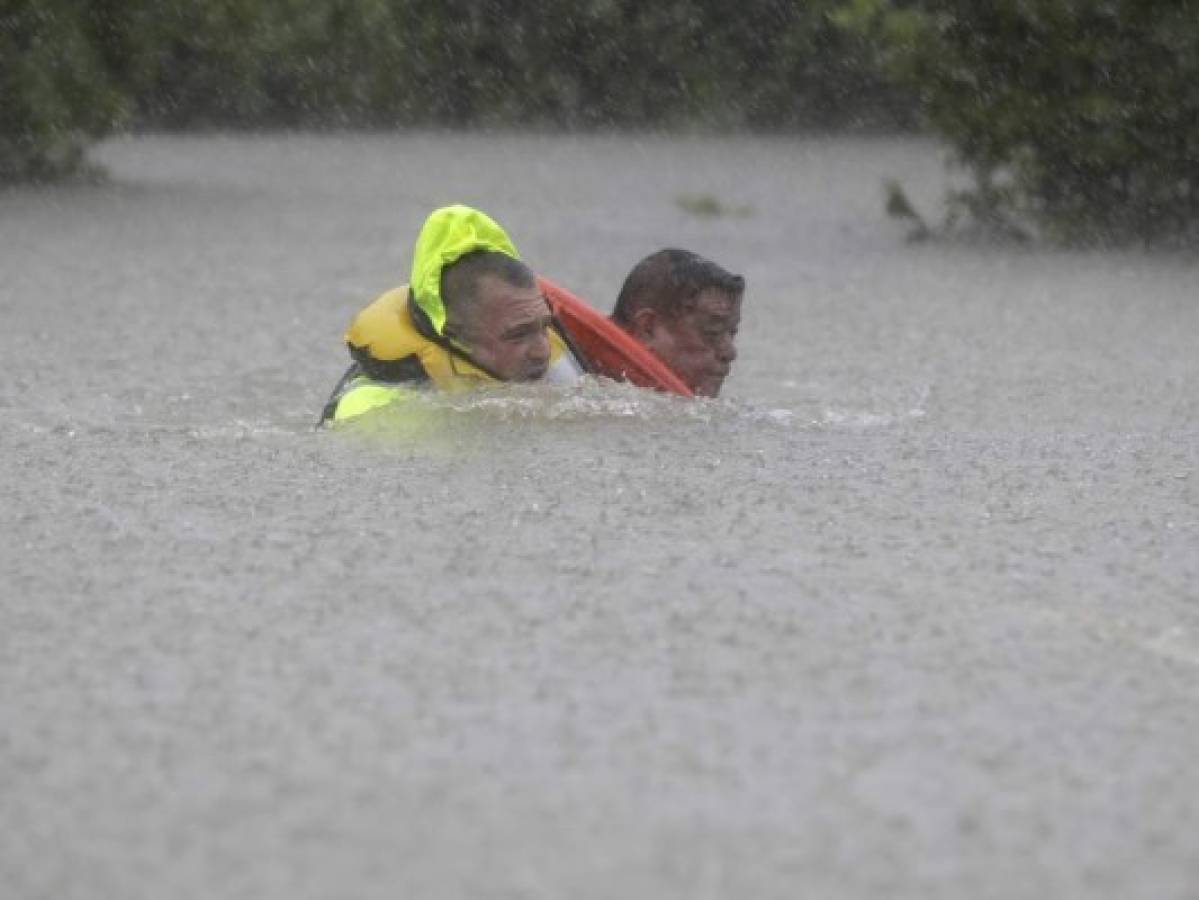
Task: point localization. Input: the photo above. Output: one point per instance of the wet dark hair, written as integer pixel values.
(669, 281)
(460, 279)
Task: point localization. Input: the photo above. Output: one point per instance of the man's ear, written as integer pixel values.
(644, 323)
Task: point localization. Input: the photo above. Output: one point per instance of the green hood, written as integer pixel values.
(448, 235)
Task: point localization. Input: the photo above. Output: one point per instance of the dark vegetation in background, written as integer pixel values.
(1076, 119)
(74, 68)
(573, 63)
(56, 88)
(1079, 118)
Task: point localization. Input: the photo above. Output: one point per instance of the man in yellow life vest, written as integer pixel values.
(472, 314)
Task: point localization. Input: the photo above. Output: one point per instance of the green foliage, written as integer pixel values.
(796, 66)
(72, 69)
(709, 206)
(1080, 116)
(55, 93)
(577, 63)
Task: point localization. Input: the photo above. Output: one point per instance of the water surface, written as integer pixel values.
(912, 611)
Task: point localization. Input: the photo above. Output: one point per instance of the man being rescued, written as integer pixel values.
(686, 310)
(472, 314)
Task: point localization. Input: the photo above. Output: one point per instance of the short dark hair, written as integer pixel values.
(669, 281)
(460, 279)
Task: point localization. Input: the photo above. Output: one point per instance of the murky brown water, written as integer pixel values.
(914, 612)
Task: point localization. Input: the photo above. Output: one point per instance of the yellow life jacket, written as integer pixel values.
(392, 358)
(398, 342)
(384, 341)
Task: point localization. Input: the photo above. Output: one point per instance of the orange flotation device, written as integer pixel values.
(606, 347)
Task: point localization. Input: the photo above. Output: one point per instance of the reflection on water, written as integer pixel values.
(910, 611)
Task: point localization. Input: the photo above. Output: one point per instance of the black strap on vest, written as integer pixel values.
(392, 371)
(330, 407)
(389, 371)
(568, 339)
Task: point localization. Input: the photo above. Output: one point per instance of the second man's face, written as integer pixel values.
(700, 343)
(508, 331)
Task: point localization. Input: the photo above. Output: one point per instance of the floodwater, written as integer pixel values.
(913, 611)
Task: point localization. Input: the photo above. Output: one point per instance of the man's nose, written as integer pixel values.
(727, 349)
(539, 349)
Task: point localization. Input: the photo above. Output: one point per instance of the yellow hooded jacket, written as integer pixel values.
(398, 343)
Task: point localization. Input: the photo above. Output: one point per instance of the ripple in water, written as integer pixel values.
(599, 400)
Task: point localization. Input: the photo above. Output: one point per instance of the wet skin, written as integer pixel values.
(699, 344)
(506, 330)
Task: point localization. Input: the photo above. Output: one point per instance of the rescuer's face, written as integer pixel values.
(699, 343)
(506, 330)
